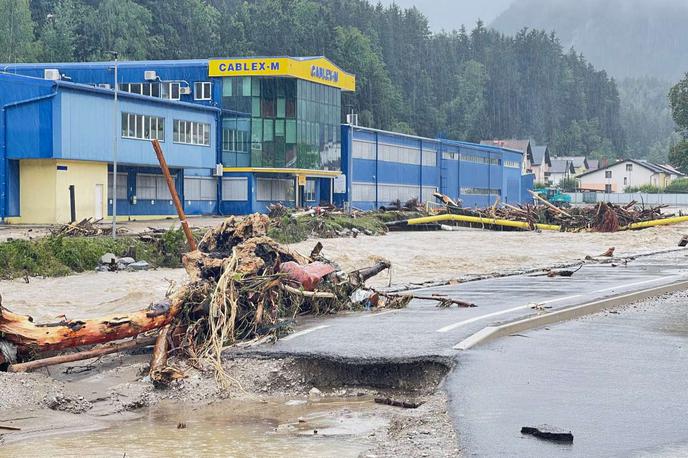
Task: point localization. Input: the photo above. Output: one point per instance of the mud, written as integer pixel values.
(270, 408)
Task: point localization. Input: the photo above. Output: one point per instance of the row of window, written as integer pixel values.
(394, 153)
(147, 127)
(154, 187)
(512, 164)
(191, 132)
(480, 159)
(203, 90)
(143, 127)
(386, 193)
(481, 191)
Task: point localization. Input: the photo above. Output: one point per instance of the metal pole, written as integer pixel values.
(115, 113)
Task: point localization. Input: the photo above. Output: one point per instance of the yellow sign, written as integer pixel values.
(302, 180)
(315, 69)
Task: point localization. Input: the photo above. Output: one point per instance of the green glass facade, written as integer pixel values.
(293, 124)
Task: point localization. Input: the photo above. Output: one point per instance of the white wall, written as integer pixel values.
(638, 176)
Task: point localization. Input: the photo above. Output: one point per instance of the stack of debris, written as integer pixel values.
(87, 227)
(243, 286)
(602, 217)
(111, 263)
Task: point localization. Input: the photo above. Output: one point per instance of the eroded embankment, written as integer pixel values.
(71, 400)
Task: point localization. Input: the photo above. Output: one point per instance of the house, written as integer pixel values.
(628, 173)
(541, 164)
(580, 163)
(561, 168)
(523, 146)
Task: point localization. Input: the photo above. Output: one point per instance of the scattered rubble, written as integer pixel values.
(109, 262)
(87, 227)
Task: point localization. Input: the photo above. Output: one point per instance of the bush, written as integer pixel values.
(569, 184)
(647, 188)
(679, 185)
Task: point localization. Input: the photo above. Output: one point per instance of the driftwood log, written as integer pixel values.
(30, 337)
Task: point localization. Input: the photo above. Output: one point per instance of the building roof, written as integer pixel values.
(563, 166)
(578, 161)
(651, 166)
(518, 145)
(593, 164)
(540, 154)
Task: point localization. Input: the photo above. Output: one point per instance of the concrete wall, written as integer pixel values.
(674, 200)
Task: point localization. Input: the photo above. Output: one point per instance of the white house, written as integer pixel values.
(560, 169)
(628, 172)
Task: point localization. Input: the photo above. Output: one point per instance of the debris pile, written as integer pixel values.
(243, 286)
(602, 217)
(87, 227)
(109, 262)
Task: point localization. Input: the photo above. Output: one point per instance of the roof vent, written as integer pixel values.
(150, 75)
(52, 74)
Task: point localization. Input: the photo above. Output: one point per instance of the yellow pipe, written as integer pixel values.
(478, 220)
(658, 222)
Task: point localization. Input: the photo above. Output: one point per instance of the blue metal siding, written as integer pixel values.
(87, 132)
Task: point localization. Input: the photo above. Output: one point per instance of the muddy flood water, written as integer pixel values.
(340, 428)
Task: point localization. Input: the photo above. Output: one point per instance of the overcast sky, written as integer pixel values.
(450, 14)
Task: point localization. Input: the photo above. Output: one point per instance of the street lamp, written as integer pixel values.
(115, 112)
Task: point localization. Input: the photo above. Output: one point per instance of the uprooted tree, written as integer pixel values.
(242, 286)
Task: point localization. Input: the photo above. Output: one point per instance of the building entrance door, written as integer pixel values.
(98, 213)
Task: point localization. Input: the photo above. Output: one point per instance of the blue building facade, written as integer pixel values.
(238, 134)
(382, 167)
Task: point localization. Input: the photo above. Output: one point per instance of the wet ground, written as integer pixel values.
(617, 380)
(332, 428)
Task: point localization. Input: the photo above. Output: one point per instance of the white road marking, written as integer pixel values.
(304, 332)
(451, 327)
(372, 315)
(634, 284)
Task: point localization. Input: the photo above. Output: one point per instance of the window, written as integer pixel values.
(309, 191)
(143, 127)
(203, 90)
(121, 185)
(608, 188)
(607, 173)
(625, 181)
(169, 90)
(429, 158)
(200, 188)
(235, 188)
(629, 167)
(192, 133)
(152, 187)
(274, 189)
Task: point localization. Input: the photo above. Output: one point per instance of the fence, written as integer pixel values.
(673, 200)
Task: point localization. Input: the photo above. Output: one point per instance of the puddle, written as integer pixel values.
(225, 428)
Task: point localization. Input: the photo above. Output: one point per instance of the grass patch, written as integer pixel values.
(289, 230)
(56, 256)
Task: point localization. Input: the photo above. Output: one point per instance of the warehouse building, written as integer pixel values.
(238, 135)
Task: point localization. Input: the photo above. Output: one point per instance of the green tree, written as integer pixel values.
(122, 26)
(464, 112)
(17, 42)
(678, 99)
(59, 34)
(678, 156)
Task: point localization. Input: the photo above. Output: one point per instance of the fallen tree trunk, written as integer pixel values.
(30, 337)
(79, 356)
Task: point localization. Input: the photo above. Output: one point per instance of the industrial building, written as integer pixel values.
(238, 135)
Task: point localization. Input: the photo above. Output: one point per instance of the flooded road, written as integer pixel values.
(331, 428)
(617, 380)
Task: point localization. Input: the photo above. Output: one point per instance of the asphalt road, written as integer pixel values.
(423, 330)
(618, 381)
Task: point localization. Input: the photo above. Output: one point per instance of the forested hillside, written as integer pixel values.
(469, 85)
(629, 38)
